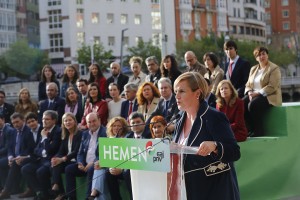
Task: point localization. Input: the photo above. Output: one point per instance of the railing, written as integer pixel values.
(293, 80)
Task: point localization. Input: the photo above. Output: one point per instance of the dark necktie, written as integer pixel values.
(130, 108)
(83, 102)
(166, 108)
(18, 143)
(50, 104)
(230, 68)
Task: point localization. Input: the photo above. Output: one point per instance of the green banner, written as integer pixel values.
(140, 154)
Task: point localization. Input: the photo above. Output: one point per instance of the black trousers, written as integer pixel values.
(255, 113)
(57, 171)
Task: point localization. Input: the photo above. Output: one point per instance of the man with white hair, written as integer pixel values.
(193, 64)
(53, 102)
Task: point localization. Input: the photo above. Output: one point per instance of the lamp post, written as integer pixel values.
(122, 44)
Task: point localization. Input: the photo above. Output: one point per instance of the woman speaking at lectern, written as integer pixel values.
(208, 174)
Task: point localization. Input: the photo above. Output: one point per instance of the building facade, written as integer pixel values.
(67, 25)
(283, 24)
(8, 33)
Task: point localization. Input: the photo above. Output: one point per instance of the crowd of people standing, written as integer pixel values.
(217, 107)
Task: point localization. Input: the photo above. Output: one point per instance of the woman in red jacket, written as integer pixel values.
(233, 107)
(96, 104)
(97, 76)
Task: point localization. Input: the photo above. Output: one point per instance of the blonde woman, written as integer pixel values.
(25, 103)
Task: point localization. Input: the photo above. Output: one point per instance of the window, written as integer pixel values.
(95, 18)
(248, 30)
(80, 38)
(137, 39)
(54, 18)
(110, 18)
(80, 20)
(234, 29)
(286, 25)
(126, 41)
(285, 13)
(136, 1)
(79, 2)
(56, 42)
(156, 24)
(124, 18)
(111, 41)
(268, 16)
(284, 2)
(97, 40)
(54, 2)
(242, 31)
(137, 19)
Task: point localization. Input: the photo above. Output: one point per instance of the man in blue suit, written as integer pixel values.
(130, 105)
(237, 69)
(54, 102)
(37, 173)
(6, 131)
(20, 149)
(87, 156)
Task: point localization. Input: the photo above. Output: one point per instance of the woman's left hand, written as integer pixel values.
(253, 94)
(206, 148)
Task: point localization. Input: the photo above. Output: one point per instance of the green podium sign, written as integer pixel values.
(140, 154)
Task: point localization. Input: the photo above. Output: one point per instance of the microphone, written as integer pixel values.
(168, 137)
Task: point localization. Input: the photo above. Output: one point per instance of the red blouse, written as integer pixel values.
(235, 115)
(100, 107)
(102, 86)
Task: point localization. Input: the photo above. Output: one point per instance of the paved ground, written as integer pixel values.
(15, 197)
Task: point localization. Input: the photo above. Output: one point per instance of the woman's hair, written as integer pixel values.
(139, 95)
(29, 98)
(99, 97)
(92, 78)
(64, 130)
(43, 77)
(124, 129)
(258, 50)
(66, 79)
(196, 81)
(220, 100)
(68, 102)
(213, 58)
(136, 59)
(173, 69)
(157, 119)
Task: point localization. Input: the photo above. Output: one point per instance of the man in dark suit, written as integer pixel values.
(117, 77)
(154, 70)
(82, 86)
(37, 172)
(87, 156)
(130, 105)
(5, 133)
(237, 69)
(35, 129)
(20, 149)
(54, 102)
(5, 108)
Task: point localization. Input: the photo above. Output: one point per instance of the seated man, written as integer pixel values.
(5, 132)
(137, 123)
(21, 145)
(86, 157)
(37, 172)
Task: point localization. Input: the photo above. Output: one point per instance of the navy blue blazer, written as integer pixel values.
(84, 146)
(42, 90)
(7, 132)
(239, 76)
(58, 105)
(122, 80)
(8, 110)
(26, 142)
(50, 144)
(63, 150)
(125, 108)
(212, 100)
(172, 109)
(210, 125)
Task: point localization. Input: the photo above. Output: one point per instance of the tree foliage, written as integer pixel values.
(23, 60)
(143, 50)
(102, 57)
